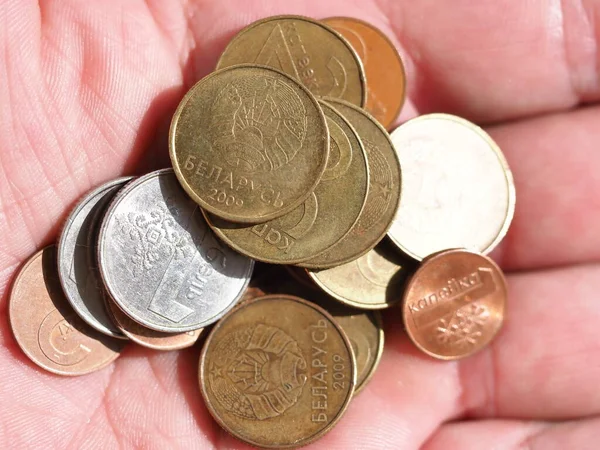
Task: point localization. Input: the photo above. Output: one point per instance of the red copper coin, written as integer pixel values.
(156, 340)
(386, 79)
(46, 327)
(454, 304)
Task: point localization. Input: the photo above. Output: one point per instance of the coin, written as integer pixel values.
(384, 191)
(160, 262)
(277, 372)
(323, 219)
(386, 79)
(373, 281)
(301, 276)
(77, 260)
(457, 188)
(307, 50)
(46, 327)
(454, 304)
(240, 135)
(156, 340)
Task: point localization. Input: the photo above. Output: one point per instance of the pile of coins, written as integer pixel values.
(282, 156)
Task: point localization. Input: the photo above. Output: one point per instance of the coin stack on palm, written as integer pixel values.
(282, 156)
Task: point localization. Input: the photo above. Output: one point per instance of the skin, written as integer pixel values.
(87, 90)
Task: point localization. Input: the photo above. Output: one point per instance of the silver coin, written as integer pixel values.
(77, 261)
(161, 263)
(457, 188)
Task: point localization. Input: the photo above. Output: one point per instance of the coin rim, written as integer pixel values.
(197, 198)
(510, 183)
(234, 433)
(62, 242)
(396, 54)
(361, 69)
(234, 243)
(307, 264)
(101, 264)
(24, 349)
(412, 281)
(380, 343)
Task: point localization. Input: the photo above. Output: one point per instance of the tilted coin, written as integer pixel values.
(277, 372)
(301, 276)
(240, 135)
(323, 219)
(386, 79)
(156, 340)
(77, 259)
(46, 327)
(161, 263)
(454, 304)
(307, 50)
(384, 191)
(374, 281)
(457, 188)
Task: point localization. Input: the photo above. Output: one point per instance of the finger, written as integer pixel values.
(506, 434)
(492, 61)
(554, 160)
(545, 363)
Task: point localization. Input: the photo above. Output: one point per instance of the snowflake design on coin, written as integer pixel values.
(257, 373)
(154, 233)
(464, 327)
(262, 123)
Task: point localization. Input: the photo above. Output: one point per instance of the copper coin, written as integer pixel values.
(386, 79)
(305, 49)
(454, 304)
(156, 340)
(457, 188)
(46, 327)
(277, 372)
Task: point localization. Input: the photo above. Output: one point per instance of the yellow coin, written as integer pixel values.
(376, 280)
(309, 51)
(240, 136)
(324, 218)
(384, 191)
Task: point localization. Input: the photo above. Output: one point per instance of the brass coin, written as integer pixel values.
(46, 327)
(146, 337)
(323, 219)
(386, 79)
(458, 191)
(373, 281)
(307, 50)
(277, 372)
(240, 135)
(384, 191)
(454, 304)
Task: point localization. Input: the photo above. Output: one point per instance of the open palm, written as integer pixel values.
(87, 89)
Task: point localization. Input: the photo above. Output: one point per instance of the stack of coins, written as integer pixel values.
(282, 156)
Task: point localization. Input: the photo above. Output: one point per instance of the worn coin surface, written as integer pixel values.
(240, 135)
(277, 372)
(373, 281)
(324, 218)
(156, 340)
(384, 191)
(307, 50)
(77, 258)
(47, 329)
(457, 188)
(454, 304)
(161, 263)
(386, 79)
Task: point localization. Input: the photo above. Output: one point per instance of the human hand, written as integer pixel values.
(87, 90)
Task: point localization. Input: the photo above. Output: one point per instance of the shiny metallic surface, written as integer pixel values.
(457, 188)
(46, 327)
(161, 263)
(77, 259)
(454, 305)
